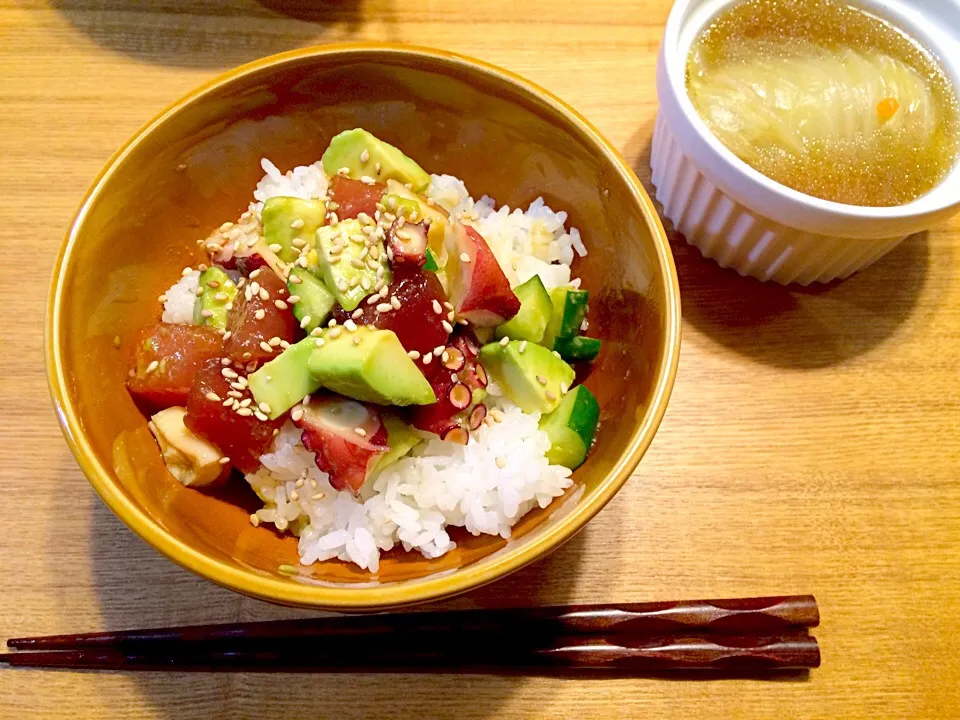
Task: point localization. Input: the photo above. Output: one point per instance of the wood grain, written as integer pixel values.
(812, 444)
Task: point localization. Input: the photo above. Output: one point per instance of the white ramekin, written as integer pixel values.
(748, 222)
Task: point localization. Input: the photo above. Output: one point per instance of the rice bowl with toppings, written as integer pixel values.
(380, 356)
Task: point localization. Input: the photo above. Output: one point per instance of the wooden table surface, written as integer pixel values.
(812, 443)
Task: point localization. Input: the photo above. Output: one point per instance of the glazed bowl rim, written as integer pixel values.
(391, 594)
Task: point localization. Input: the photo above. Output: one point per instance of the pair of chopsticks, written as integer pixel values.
(744, 636)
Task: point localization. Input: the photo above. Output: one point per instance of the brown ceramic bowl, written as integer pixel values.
(195, 166)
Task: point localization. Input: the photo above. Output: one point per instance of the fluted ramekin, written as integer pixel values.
(744, 220)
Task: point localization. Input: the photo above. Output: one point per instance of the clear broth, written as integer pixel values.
(883, 166)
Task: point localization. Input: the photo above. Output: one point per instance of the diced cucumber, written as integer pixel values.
(571, 428)
(431, 264)
(218, 291)
(577, 348)
(535, 311)
(569, 309)
(315, 302)
(285, 380)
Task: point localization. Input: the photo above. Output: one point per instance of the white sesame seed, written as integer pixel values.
(448, 306)
(186, 271)
(228, 373)
(550, 395)
(464, 257)
(556, 354)
(296, 414)
(260, 416)
(343, 171)
(306, 320)
(342, 285)
(264, 295)
(234, 394)
(541, 379)
(356, 314)
(395, 302)
(212, 397)
(364, 156)
(357, 339)
(293, 299)
(297, 224)
(245, 402)
(221, 297)
(206, 313)
(350, 325)
(414, 355)
(376, 166)
(244, 412)
(448, 328)
(198, 292)
(335, 332)
(437, 350)
(318, 496)
(162, 298)
(427, 358)
(254, 520)
(365, 283)
(266, 348)
(523, 346)
(275, 341)
(295, 279)
(436, 308)
(316, 332)
(227, 335)
(504, 341)
(319, 342)
(260, 314)
(332, 323)
(280, 304)
(360, 431)
(444, 357)
(384, 307)
(154, 364)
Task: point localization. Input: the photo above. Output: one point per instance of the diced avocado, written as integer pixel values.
(532, 377)
(370, 366)
(569, 308)
(292, 224)
(348, 266)
(401, 438)
(577, 348)
(315, 302)
(401, 206)
(535, 309)
(189, 458)
(571, 428)
(429, 212)
(360, 152)
(285, 380)
(218, 291)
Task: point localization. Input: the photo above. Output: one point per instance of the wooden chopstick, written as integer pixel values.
(619, 656)
(751, 616)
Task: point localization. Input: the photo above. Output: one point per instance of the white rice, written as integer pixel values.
(305, 181)
(181, 297)
(412, 502)
(528, 243)
(440, 484)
